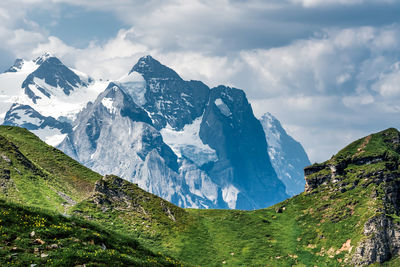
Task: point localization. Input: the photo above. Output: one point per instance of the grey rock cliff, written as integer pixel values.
(381, 243)
(230, 128)
(169, 99)
(287, 155)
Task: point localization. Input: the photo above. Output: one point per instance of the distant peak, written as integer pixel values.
(269, 117)
(147, 58)
(113, 86)
(146, 62)
(39, 60)
(18, 63)
(152, 68)
(112, 90)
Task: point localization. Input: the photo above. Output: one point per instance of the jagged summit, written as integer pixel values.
(152, 68)
(51, 73)
(40, 59)
(18, 63)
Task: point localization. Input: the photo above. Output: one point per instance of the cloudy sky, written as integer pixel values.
(329, 70)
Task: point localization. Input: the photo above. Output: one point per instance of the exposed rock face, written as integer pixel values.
(112, 189)
(50, 76)
(314, 181)
(230, 128)
(383, 234)
(383, 241)
(377, 160)
(5, 180)
(114, 135)
(331, 172)
(287, 155)
(169, 99)
(112, 192)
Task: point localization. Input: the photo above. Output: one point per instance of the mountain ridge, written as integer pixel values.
(193, 174)
(242, 176)
(287, 155)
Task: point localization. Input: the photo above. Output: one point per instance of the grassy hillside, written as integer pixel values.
(34, 236)
(322, 226)
(306, 230)
(38, 184)
(40, 174)
(347, 216)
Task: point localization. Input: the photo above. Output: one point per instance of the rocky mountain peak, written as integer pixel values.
(270, 119)
(115, 100)
(230, 128)
(167, 98)
(39, 60)
(112, 90)
(18, 63)
(50, 74)
(16, 66)
(151, 68)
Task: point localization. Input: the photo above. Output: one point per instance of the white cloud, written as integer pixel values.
(315, 3)
(344, 83)
(356, 100)
(388, 84)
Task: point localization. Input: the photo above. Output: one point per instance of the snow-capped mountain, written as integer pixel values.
(52, 78)
(192, 145)
(48, 128)
(44, 87)
(287, 155)
(115, 135)
(169, 99)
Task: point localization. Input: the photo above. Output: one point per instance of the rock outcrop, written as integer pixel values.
(381, 243)
(371, 163)
(114, 193)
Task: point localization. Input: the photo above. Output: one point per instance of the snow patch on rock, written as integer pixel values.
(200, 184)
(187, 143)
(135, 86)
(108, 103)
(23, 117)
(229, 195)
(223, 107)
